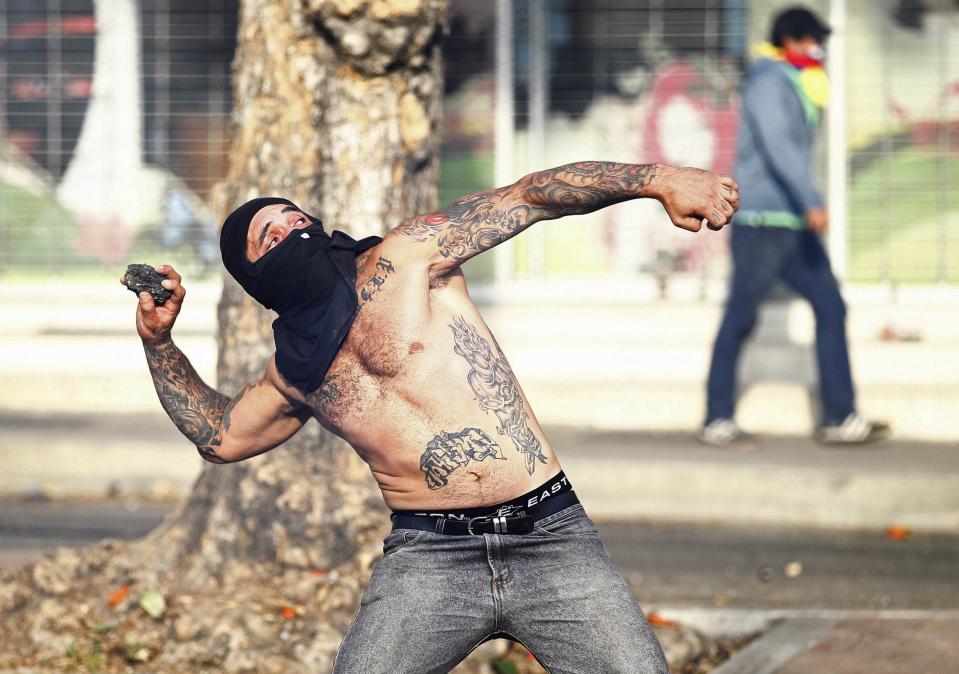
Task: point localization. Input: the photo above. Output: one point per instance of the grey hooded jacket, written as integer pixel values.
(774, 150)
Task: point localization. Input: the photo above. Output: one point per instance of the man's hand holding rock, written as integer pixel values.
(154, 321)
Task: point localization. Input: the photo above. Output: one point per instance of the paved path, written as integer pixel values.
(619, 474)
(586, 354)
(846, 602)
(877, 645)
(78, 413)
(669, 564)
(917, 646)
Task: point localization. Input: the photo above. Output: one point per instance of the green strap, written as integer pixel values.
(783, 219)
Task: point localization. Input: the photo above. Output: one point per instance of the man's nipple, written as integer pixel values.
(416, 346)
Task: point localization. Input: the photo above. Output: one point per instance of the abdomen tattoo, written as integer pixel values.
(496, 390)
(449, 451)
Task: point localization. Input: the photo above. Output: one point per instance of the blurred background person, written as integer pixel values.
(776, 234)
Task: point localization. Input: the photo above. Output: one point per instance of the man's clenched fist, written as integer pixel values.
(692, 196)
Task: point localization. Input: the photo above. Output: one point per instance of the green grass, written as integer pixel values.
(37, 241)
(900, 228)
(34, 231)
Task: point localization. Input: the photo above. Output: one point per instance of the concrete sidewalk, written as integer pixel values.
(878, 645)
(620, 475)
(787, 481)
(586, 355)
(617, 385)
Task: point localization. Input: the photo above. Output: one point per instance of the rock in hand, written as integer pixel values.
(142, 277)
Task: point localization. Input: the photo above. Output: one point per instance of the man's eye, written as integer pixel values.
(272, 243)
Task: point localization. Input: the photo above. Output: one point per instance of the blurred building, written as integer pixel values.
(113, 123)
(87, 86)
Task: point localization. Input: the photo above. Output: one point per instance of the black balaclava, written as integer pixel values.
(309, 279)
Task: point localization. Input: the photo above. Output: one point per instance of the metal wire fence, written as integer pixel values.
(114, 118)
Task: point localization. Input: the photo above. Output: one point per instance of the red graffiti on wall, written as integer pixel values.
(933, 127)
(705, 131)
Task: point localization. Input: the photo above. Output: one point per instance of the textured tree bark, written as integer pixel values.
(337, 107)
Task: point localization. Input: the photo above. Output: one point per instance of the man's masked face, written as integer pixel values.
(287, 262)
(282, 257)
(804, 51)
(270, 226)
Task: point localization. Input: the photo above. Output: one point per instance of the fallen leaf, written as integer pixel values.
(287, 612)
(135, 652)
(320, 572)
(119, 596)
(657, 620)
(153, 603)
(895, 532)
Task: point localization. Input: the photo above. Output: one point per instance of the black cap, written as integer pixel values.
(797, 23)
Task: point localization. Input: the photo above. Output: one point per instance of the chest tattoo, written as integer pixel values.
(382, 270)
(496, 389)
(325, 398)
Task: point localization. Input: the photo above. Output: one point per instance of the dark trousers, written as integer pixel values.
(760, 256)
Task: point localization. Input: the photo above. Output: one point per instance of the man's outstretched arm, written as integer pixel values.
(223, 429)
(477, 222)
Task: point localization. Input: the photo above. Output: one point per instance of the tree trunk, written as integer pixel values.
(337, 107)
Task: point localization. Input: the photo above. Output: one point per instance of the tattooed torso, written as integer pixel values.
(420, 387)
(422, 391)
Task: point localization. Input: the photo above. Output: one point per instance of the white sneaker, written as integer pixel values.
(854, 430)
(724, 433)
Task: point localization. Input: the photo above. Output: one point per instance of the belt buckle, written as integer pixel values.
(481, 519)
(500, 524)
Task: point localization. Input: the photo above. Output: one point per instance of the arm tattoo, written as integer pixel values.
(477, 222)
(448, 451)
(587, 186)
(201, 413)
(496, 390)
(471, 224)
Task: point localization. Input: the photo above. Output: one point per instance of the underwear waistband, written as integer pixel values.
(556, 485)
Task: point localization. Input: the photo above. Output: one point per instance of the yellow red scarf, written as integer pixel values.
(809, 77)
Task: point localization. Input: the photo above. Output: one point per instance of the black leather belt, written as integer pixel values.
(516, 522)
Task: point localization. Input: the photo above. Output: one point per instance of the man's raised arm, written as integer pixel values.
(477, 222)
(223, 429)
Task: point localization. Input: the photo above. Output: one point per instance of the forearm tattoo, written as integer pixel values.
(479, 221)
(587, 186)
(201, 413)
(449, 451)
(496, 390)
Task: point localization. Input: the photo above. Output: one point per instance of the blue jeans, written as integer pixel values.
(433, 598)
(760, 256)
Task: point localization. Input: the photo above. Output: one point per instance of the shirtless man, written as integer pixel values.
(488, 537)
